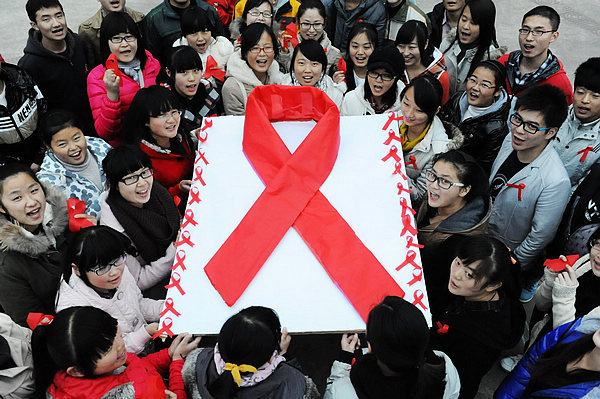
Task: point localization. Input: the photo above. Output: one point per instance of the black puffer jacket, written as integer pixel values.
(436, 16)
(19, 138)
(484, 134)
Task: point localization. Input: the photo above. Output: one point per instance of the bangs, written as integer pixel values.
(118, 24)
(162, 101)
(195, 19)
(100, 246)
(184, 58)
(123, 160)
(405, 36)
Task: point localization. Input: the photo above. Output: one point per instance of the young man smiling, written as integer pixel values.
(534, 63)
(528, 182)
(578, 140)
(56, 59)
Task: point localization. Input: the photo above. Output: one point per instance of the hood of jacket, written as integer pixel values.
(34, 45)
(496, 107)
(473, 216)
(442, 136)
(239, 69)
(15, 238)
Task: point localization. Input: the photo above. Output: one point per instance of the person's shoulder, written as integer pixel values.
(93, 21)
(156, 12)
(137, 16)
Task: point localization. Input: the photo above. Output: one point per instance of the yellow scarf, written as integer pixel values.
(235, 371)
(409, 145)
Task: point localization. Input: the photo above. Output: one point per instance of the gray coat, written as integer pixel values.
(527, 226)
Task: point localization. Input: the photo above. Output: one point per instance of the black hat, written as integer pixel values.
(388, 58)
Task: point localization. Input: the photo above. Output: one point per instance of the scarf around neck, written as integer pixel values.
(251, 379)
(132, 69)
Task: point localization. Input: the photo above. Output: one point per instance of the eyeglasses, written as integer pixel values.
(529, 127)
(483, 85)
(386, 77)
(266, 49)
(169, 114)
(102, 270)
(119, 39)
(441, 182)
(315, 26)
(256, 13)
(527, 31)
(132, 179)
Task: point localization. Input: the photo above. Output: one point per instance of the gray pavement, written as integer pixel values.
(579, 38)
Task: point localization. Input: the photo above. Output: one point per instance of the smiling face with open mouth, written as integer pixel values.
(51, 23)
(136, 194)
(112, 5)
(481, 88)
(307, 72)
(453, 5)
(186, 82)
(114, 358)
(126, 50)
(200, 40)
(468, 30)
(360, 49)
(69, 146)
(261, 61)
(537, 46)
(311, 25)
(24, 200)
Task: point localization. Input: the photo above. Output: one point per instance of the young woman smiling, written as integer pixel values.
(109, 94)
(420, 57)
(308, 69)
(363, 40)
(481, 112)
(254, 65)
(473, 41)
(379, 93)
(254, 11)
(33, 219)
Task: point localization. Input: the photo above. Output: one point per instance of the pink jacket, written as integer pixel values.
(109, 114)
(128, 306)
(146, 275)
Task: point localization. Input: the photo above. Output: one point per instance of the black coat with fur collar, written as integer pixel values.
(30, 265)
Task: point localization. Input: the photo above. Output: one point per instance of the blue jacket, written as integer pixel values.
(514, 385)
(72, 184)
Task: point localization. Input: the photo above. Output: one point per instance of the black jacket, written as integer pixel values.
(62, 80)
(19, 138)
(436, 16)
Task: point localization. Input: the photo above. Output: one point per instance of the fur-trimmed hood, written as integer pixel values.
(15, 238)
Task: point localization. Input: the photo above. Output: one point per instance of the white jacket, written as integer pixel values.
(128, 306)
(219, 47)
(241, 80)
(332, 89)
(354, 103)
(146, 275)
(16, 382)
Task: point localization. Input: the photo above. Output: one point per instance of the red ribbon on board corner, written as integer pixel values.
(289, 201)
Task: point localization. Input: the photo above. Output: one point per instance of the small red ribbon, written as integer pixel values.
(38, 319)
(417, 276)
(519, 186)
(185, 239)
(180, 258)
(411, 161)
(398, 170)
(442, 328)
(165, 329)
(585, 152)
(418, 299)
(392, 136)
(169, 307)
(392, 154)
(401, 189)
(175, 283)
(194, 195)
(410, 260)
(407, 226)
(410, 243)
(212, 69)
(341, 65)
(406, 207)
(391, 118)
(198, 176)
(202, 156)
(189, 219)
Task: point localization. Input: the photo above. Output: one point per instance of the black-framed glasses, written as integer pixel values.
(132, 179)
(266, 49)
(534, 32)
(119, 39)
(529, 127)
(483, 85)
(442, 183)
(102, 270)
(257, 13)
(315, 26)
(386, 77)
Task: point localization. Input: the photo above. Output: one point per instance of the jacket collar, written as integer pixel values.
(15, 238)
(529, 169)
(496, 106)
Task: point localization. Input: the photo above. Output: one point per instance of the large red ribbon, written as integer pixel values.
(292, 199)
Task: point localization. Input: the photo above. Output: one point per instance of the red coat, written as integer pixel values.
(169, 168)
(143, 373)
(558, 79)
(109, 114)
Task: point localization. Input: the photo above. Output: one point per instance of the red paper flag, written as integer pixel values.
(212, 69)
(558, 265)
(38, 319)
(77, 207)
(112, 63)
(291, 36)
(342, 65)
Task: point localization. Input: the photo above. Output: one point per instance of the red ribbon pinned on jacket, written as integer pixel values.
(77, 207)
(442, 328)
(38, 319)
(411, 161)
(518, 186)
(212, 69)
(292, 199)
(585, 152)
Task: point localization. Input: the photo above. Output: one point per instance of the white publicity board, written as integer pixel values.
(361, 186)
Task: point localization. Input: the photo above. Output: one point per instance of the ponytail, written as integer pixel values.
(44, 368)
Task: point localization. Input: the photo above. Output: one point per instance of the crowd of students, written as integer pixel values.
(502, 149)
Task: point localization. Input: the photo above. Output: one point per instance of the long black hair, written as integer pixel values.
(428, 93)
(77, 337)
(371, 33)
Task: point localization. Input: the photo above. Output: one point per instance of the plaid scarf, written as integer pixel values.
(520, 82)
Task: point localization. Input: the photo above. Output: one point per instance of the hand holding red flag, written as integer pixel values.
(212, 69)
(558, 265)
(77, 207)
(113, 64)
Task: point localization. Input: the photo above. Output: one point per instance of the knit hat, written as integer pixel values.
(388, 58)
